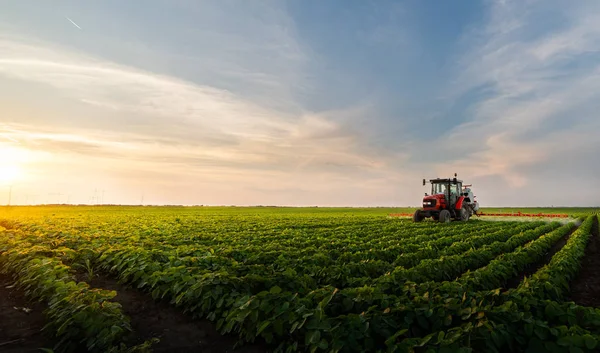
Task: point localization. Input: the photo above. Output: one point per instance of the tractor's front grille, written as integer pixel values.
(429, 203)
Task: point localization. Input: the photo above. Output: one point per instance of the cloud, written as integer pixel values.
(543, 88)
(115, 87)
(167, 131)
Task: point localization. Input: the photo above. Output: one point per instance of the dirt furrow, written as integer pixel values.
(177, 331)
(21, 321)
(585, 289)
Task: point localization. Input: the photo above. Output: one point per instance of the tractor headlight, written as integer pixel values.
(428, 203)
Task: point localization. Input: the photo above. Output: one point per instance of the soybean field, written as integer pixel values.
(266, 279)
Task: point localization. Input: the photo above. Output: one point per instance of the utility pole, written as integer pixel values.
(9, 194)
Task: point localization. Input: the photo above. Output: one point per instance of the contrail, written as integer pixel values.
(74, 24)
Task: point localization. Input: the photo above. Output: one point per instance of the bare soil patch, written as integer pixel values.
(21, 321)
(585, 288)
(177, 331)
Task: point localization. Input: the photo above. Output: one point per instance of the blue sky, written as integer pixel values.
(299, 102)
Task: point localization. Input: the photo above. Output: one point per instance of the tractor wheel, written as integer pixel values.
(418, 216)
(464, 214)
(445, 216)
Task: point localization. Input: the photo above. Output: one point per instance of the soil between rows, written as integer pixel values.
(20, 328)
(534, 267)
(177, 331)
(585, 288)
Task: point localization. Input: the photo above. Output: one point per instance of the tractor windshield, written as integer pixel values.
(438, 189)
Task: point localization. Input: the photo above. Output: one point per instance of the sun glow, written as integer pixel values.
(9, 173)
(11, 162)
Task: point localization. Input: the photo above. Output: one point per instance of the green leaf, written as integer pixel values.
(314, 337)
(294, 326)
(391, 339)
(263, 326)
(425, 340)
(590, 341)
(529, 330)
(541, 332)
(275, 290)
(563, 341)
(323, 344)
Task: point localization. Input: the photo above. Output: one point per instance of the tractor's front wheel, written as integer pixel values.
(418, 216)
(444, 216)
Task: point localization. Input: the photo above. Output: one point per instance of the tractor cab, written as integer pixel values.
(448, 200)
(448, 189)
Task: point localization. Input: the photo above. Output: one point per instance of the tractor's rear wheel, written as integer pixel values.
(464, 214)
(418, 216)
(444, 216)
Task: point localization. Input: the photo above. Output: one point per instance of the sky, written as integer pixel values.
(298, 102)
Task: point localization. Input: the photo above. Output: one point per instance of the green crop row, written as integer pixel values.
(306, 269)
(79, 316)
(361, 318)
(400, 320)
(523, 319)
(448, 267)
(552, 280)
(455, 244)
(509, 264)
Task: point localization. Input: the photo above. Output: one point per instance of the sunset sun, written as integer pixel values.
(9, 173)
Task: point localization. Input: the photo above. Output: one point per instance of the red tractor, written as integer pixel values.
(449, 200)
